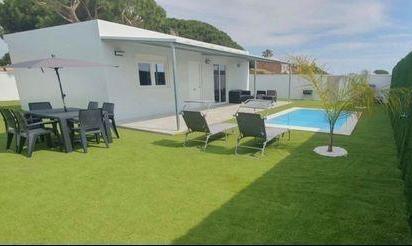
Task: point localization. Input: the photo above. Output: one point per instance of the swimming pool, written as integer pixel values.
(311, 119)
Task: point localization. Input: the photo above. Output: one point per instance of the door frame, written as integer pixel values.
(199, 65)
(220, 84)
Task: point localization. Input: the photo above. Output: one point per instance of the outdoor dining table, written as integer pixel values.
(63, 117)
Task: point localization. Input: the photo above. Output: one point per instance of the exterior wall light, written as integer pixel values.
(119, 52)
(207, 61)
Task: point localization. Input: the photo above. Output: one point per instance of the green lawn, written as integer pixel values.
(147, 188)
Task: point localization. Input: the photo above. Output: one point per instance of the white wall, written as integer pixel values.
(75, 41)
(118, 85)
(280, 82)
(8, 88)
(382, 81)
(134, 101)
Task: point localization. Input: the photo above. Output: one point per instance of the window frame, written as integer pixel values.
(164, 71)
(153, 63)
(150, 72)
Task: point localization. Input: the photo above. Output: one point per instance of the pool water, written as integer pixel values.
(306, 119)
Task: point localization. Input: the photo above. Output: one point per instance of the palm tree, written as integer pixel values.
(355, 95)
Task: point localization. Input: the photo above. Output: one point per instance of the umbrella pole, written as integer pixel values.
(56, 69)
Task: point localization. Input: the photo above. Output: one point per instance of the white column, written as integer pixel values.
(290, 80)
(175, 86)
(254, 79)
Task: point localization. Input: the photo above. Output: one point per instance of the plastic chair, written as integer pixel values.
(93, 105)
(109, 109)
(90, 123)
(28, 133)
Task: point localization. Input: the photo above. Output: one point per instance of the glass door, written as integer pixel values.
(219, 75)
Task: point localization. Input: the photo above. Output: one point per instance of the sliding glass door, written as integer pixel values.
(219, 75)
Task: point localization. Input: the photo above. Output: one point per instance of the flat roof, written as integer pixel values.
(114, 31)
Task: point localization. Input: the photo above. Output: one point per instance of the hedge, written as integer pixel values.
(402, 125)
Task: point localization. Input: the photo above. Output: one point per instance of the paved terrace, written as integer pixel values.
(167, 124)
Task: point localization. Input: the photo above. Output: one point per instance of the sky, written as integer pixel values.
(344, 36)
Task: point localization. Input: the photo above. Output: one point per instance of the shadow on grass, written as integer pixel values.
(40, 145)
(304, 198)
(227, 149)
(213, 146)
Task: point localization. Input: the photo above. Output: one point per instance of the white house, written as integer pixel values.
(150, 64)
(8, 88)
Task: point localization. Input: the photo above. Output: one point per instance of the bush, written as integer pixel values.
(380, 71)
(402, 73)
(401, 118)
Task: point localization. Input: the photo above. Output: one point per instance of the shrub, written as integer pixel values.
(400, 113)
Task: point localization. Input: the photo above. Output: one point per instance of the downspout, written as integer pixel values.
(175, 86)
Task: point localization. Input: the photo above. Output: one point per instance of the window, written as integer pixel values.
(160, 77)
(152, 74)
(144, 74)
(219, 72)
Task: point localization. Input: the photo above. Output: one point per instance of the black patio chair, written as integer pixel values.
(271, 95)
(11, 127)
(28, 133)
(253, 125)
(93, 105)
(260, 94)
(31, 119)
(109, 109)
(39, 105)
(90, 122)
(196, 122)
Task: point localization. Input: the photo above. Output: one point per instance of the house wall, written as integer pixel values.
(8, 88)
(74, 41)
(280, 82)
(134, 101)
(118, 85)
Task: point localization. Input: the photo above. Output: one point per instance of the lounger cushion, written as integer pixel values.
(220, 127)
(273, 132)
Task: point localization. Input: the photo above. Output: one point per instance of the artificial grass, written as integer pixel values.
(147, 188)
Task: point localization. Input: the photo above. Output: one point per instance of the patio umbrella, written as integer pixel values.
(56, 64)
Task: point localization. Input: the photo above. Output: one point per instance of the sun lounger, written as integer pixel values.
(196, 122)
(253, 125)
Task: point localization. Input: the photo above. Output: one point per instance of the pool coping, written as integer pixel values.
(347, 129)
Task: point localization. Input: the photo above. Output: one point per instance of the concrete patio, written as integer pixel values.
(167, 124)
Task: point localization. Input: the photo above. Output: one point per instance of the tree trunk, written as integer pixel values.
(330, 146)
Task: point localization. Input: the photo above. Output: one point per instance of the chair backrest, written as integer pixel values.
(195, 121)
(20, 119)
(4, 118)
(39, 105)
(251, 125)
(9, 119)
(90, 119)
(272, 93)
(93, 105)
(108, 107)
(260, 92)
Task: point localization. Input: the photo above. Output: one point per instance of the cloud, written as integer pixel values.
(283, 22)
(347, 36)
